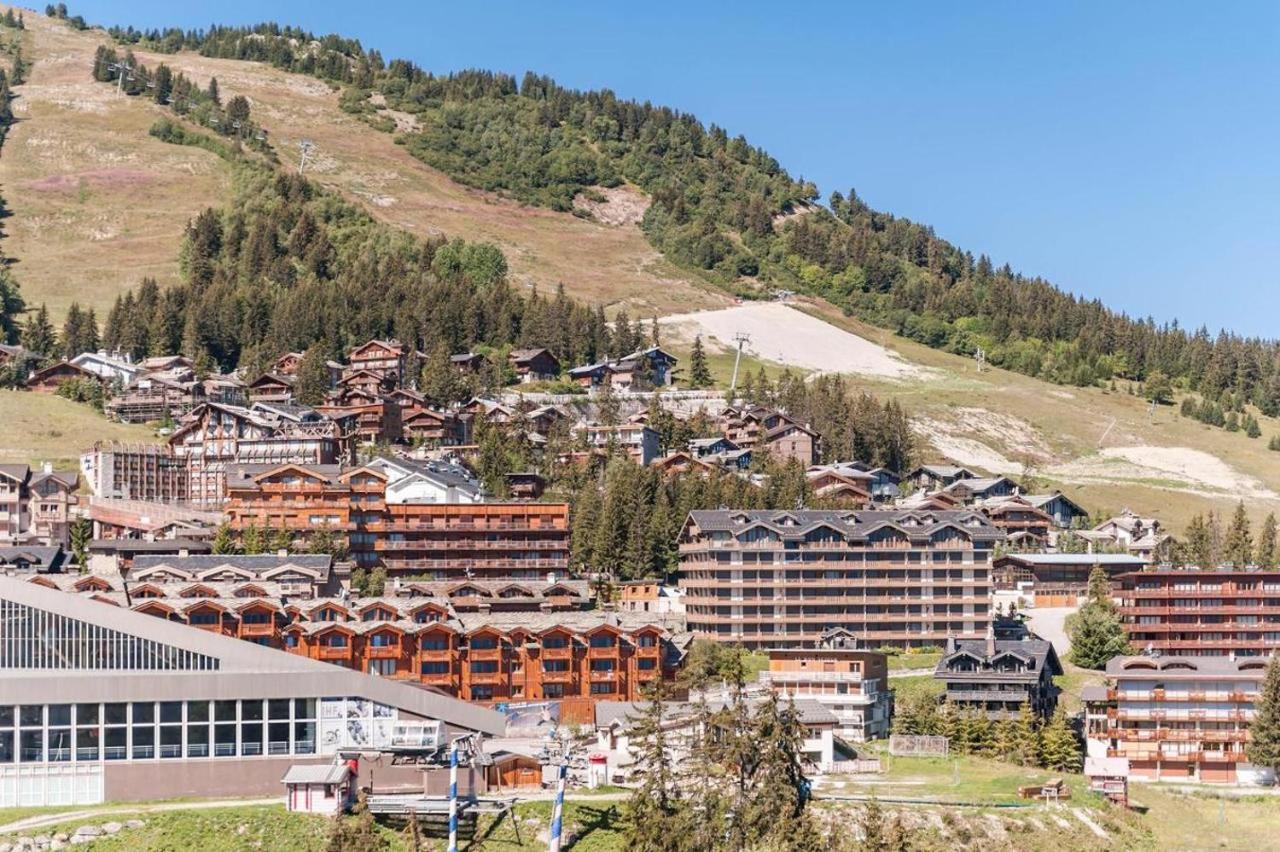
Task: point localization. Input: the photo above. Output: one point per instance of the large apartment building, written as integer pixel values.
(36, 505)
(771, 579)
(423, 519)
(1177, 718)
(1202, 613)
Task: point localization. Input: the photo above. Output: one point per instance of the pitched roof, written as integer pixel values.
(238, 667)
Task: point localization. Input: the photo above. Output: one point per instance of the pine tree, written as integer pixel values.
(1058, 746)
(1263, 749)
(253, 541)
(872, 828)
(654, 809)
(440, 381)
(1022, 747)
(312, 380)
(224, 541)
(1096, 630)
(699, 371)
(779, 789)
(1266, 552)
(80, 534)
(38, 336)
(1238, 549)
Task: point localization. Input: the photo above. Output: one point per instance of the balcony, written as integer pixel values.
(566, 676)
(381, 652)
(487, 677)
(598, 676)
(330, 653)
(438, 678)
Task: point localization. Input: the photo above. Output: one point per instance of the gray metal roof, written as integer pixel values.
(1077, 559)
(245, 670)
(854, 524)
(317, 773)
(1187, 667)
(1037, 650)
(256, 564)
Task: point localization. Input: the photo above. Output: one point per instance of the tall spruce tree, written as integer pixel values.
(312, 380)
(654, 811)
(1238, 548)
(1263, 749)
(1265, 557)
(1059, 748)
(38, 335)
(699, 370)
(1096, 630)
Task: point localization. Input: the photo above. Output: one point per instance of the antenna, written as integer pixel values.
(306, 146)
(742, 339)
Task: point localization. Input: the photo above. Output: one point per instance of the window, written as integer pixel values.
(384, 640)
(555, 665)
(602, 665)
(334, 640)
(481, 692)
(484, 666)
(646, 664)
(484, 643)
(555, 641)
(435, 668)
(603, 640)
(434, 642)
(602, 688)
(382, 667)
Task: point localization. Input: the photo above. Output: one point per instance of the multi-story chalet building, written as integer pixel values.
(997, 676)
(1058, 579)
(101, 703)
(781, 578)
(424, 519)
(850, 681)
(54, 376)
(1023, 524)
(1177, 718)
(534, 365)
(931, 477)
(972, 489)
(1202, 613)
(832, 482)
(375, 418)
(36, 507)
(650, 367)
(1065, 512)
(1140, 536)
(215, 436)
(274, 388)
(639, 441)
(386, 358)
(145, 520)
(483, 642)
(759, 428)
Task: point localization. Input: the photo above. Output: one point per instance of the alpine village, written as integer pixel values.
(395, 460)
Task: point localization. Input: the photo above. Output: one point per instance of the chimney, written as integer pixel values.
(46, 467)
(282, 552)
(991, 640)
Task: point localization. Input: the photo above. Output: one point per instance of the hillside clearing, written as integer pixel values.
(42, 427)
(785, 335)
(97, 203)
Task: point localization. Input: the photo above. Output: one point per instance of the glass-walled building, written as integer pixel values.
(100, 703)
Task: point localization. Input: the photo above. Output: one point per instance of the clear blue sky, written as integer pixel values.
(1128, 151)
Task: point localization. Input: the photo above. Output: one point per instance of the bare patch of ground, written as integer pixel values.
(1175, 468)
(784, 335)
(970, 436)
(621, 205)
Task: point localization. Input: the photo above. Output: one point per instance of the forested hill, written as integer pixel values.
(730, 211)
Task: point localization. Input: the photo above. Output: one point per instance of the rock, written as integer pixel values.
(63, 836)
(88, 831)
(242, 829)
(134, 823)
(5, 846)
(43, 839)
(112, 827)
(80, 839)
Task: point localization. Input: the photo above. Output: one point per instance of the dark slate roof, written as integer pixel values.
(257, 564)
(1193, 667)
(853, 524)
(45, 560)
(1037, 650)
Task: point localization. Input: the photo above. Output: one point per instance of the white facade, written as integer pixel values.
(107, 366)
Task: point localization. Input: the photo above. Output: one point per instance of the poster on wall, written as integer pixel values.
(531, 718)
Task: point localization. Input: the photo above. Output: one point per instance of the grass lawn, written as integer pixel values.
(8, 815)
(598, 827)
(1072, 682)
(40, 427)
(909, 661)
(908, 687)
(1202, 821)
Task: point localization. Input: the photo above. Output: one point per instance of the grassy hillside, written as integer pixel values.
(41, 427)
(97, 203)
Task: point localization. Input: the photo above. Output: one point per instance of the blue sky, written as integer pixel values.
(1125, 151)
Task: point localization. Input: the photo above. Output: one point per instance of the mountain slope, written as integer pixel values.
(97, 204)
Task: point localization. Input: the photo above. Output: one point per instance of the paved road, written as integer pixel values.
(1049, 623)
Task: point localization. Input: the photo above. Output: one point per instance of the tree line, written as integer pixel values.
(1209, 543)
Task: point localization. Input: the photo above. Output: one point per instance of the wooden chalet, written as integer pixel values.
(386, 358)
(54, 376)
(271, 388)
(534, 365)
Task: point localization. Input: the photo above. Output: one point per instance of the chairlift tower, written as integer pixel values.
(980, 358)
(306, 146)
(122, 70)
(742, 339)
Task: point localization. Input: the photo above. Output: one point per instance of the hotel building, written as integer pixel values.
(1201, 613)
(779, 579)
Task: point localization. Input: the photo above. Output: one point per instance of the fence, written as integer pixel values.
(910, 745)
